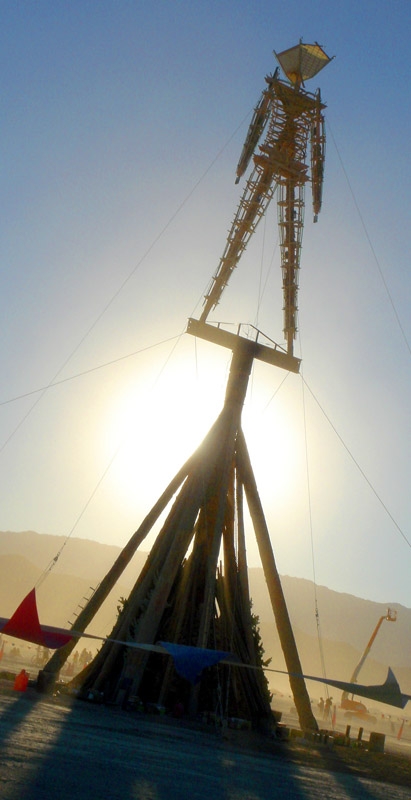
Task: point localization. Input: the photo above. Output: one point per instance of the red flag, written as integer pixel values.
(399, 734)
(25, 624)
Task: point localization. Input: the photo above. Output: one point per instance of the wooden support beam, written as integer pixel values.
(89, 611)
(292, 660)
(243, 583)
(234, 400)
(273, 354)
(186, 503)
(178, 596)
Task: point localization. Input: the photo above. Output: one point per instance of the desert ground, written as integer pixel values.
(57, 747)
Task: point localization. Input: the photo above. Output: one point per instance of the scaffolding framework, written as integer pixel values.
(292, 118)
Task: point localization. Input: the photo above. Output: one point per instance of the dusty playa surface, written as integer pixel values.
(57, 747)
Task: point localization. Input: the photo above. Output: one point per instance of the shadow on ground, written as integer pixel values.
(53, 747)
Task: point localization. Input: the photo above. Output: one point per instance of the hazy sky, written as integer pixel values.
(122, 124)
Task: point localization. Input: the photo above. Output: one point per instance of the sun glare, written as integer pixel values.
(274, 447)
(153, 431)
(153, 424)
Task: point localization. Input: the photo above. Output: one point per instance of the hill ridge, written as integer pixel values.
(346, 621)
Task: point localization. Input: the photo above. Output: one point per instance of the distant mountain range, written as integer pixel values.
(346, 622)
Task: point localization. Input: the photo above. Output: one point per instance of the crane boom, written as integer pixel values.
(353, 705)
(390, 616)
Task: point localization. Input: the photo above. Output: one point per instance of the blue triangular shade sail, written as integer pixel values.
(388, 692)
(190, 661)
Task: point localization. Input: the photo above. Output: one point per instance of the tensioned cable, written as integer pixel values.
(50, 385)
(317, 616)
(90, 370)
(345, 446)
(381, 273)
(304, 383)
(53, 562)
(127, 279)
(287, 374)
(176, 340)
(310, 520)
(387, 511)
(305, 424)
(304, 411)
(54, 382)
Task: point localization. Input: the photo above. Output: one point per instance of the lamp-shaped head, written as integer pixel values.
(302, 62)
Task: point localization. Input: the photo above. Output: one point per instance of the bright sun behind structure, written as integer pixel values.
(152, 431)
(274, 448)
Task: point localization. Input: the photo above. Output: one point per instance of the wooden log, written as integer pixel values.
(89, 611)
(200, 462)
(246, 685)
(208, 477)
(297, 683)
(101, 672)
(243, 583)
(148, 623)
(237, 384)
(143, 590)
